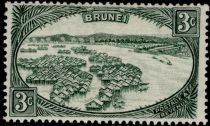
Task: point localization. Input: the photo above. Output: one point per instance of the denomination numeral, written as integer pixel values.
(23, 102)
(187, 22)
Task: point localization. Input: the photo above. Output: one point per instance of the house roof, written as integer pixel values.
(118, 85)
(56, 91)
(82, 90)
(106, 77)
(52, 94)
(69, 88)
(96, 101)
(29, 77)
(65, 92)
(128, 81)
(85, 87)
(86, 83)
(59, 84)
(36, 78)
(108, 94)
(110, 87)
(105, 99)
(137, 79)
(125, 84)
(57, 99)
(99, 102)
(62, 94)
(113, 82)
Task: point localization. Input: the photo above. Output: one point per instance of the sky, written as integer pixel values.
(74, 25)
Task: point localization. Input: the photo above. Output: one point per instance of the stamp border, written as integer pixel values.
(203, 78)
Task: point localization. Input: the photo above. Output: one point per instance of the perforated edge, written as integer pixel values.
(202, 66)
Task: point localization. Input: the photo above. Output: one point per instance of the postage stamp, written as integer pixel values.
(106, 62)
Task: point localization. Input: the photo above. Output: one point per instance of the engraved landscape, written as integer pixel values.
(79, 70)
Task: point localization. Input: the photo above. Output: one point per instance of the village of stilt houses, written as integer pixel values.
(63, 72)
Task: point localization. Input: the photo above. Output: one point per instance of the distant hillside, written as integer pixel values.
(103, 37)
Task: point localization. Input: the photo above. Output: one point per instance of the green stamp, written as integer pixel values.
(106, 62)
